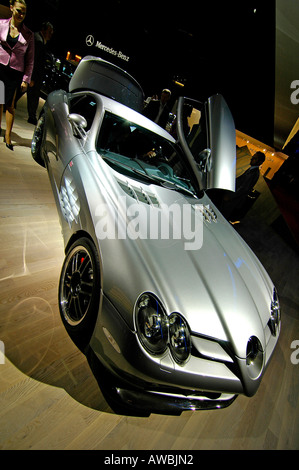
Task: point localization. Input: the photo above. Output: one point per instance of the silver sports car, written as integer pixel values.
(171, 307)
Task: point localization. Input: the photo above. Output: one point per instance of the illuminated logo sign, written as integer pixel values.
(90, 41)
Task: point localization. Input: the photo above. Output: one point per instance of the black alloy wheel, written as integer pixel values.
(80, 290)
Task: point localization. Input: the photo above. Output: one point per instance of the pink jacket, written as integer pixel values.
(21, 56)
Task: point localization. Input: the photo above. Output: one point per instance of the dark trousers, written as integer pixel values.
(33, 99)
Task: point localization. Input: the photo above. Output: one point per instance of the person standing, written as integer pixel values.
(16, 61)
(245, 183)
(40, 40)
(158, 110)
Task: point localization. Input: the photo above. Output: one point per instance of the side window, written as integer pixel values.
(195, 129)
(207, 135)
(85, 106)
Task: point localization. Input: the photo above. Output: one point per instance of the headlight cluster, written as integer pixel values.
(275, 315)
(152, 325)
(157, 331)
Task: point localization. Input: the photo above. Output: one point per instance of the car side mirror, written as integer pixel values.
(79, 124)
(204, 160)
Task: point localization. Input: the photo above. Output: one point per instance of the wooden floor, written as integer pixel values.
(49, 398)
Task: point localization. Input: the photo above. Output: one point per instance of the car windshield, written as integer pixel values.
(139, 153)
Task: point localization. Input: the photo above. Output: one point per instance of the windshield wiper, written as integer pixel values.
(143, 173)
(165, 182)
(171, 185)
(153, 178)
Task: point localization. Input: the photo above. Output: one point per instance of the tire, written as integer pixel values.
(80, 291)
(37, 139)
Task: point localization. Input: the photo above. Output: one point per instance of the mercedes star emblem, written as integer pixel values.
(89, 40)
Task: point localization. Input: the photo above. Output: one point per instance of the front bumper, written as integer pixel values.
(131, 376)
(125, 397)
(170, 403)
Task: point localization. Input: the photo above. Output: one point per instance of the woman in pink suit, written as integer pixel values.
(16, 61)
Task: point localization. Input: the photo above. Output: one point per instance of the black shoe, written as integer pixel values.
(32, 121)
(9, 146)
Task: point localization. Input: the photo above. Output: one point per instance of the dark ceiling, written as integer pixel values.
(286, 70)
(215, 46)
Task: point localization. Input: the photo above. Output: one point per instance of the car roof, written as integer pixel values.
(100, 76)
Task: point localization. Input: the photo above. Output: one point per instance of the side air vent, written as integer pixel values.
(128, 190)
(207, 212)
(69, 201)
(142, 196)
(139, 195)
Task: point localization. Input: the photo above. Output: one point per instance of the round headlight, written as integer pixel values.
(152, 324)
(254, 357)
(179, 338)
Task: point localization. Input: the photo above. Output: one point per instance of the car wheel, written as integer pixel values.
(36, 143)
(80, 290)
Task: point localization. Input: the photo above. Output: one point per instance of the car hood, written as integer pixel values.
(220, 287)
